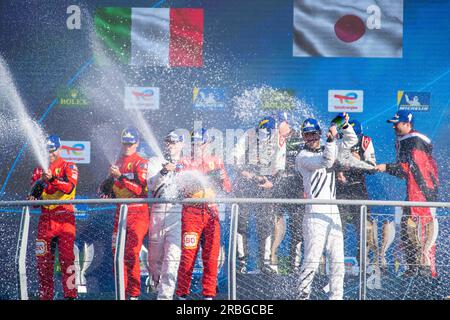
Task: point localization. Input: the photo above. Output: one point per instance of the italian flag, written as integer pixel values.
(151, 36)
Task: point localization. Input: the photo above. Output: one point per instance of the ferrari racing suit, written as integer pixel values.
(200, 222)
(131, 184)
(56, 227)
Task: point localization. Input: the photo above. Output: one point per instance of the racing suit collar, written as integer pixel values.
(131, 156)
(57, 162)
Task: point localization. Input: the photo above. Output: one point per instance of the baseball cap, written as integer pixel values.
(310, 125)
(267, 123)
(129, 135)
(201, 135)
(53, 143)
(402, 116)
(357, 127)
(173, 137)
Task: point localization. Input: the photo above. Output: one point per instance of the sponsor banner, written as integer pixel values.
(76, 151)
(413, 101)
(345, 100)
(141, 98)
(350, 263)
(351, 266)
(81, 215)
(280, 99)
(72, 98)
(209, 98)
(81, 210)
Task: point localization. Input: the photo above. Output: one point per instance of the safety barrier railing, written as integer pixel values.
(21, 250)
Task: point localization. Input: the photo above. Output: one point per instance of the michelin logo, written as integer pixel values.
(413, 101)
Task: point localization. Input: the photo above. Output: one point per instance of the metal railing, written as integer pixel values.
(21, 250)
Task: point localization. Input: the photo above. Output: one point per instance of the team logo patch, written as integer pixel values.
(129, 166)
(41, 247)
(143, 166)
(57, 171)
(365, 142)
(129, 176)
(211, 165)
(190, 240)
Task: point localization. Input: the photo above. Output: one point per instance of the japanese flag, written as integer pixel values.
(348, 28)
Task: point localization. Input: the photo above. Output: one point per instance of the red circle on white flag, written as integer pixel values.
(349, 28)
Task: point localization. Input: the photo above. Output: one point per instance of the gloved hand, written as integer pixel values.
(36, 190)
(341, 120)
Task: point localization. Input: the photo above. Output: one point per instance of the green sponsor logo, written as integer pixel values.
(278, 100)
(72, 98)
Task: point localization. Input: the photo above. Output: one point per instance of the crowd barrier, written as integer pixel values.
(373, 267)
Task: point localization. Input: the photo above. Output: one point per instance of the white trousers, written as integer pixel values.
(323, 231)
(164, 248)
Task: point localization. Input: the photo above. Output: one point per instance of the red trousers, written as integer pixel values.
(138, 221)
(56, 229)
(199, 224)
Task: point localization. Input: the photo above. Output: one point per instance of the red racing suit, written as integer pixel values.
(200, 223)
(416, 165)
(131, 184)
(56, 227)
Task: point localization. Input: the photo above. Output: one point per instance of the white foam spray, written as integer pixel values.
(34, 134)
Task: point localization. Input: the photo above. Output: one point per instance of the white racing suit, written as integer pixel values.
(164, 247)
(322, 227)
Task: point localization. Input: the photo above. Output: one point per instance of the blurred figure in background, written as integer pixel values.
(291, 187)
(261, 164)
(351, 184)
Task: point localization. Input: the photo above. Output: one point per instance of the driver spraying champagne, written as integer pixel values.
(203, 174)
(164, 248)
(128, 179)
(57, 222)
(322, 226)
